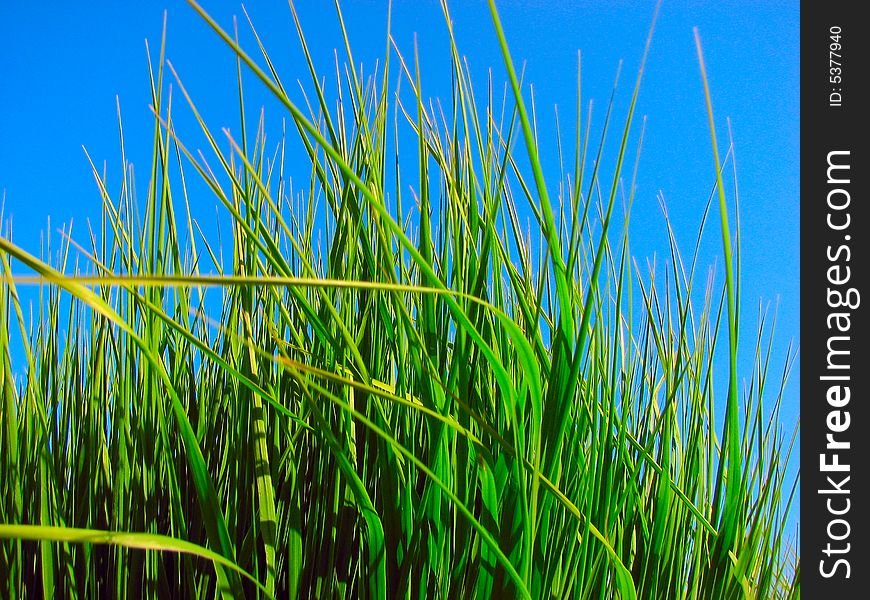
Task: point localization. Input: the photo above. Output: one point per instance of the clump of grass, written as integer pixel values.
(427, 403)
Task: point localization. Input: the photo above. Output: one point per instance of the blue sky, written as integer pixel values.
(63, 64)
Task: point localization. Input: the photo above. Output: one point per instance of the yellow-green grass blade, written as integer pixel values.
(124, 539)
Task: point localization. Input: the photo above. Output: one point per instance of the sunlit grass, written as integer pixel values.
(393, 388)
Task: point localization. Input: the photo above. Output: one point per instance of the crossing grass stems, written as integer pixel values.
(431, 402)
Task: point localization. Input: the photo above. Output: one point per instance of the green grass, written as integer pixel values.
(395, 388)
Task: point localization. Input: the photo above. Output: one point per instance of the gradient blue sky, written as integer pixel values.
(62, 64)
